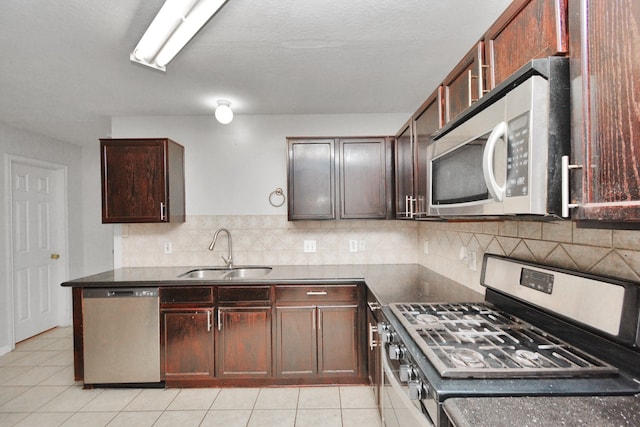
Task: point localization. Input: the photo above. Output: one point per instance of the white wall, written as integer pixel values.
(232, 169)
(97, 237)
(20, 143)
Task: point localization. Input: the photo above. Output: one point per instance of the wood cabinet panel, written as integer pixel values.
(338, 340)
(186, 295)
(404, 172)
(244, 294)
(244, 342)
(427, 120)
(296, 342)
(317, 294)
(142, 180)
(465, 84)
(363, 178)
(187, 342)
(348, 172)
(606, 109)
(527, 29)
(311, 179)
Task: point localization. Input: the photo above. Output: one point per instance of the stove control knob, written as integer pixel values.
(385, 333)
(417, 390)
(407, 373)
(396, 352)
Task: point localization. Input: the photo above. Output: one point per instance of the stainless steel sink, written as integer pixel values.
(224, 273)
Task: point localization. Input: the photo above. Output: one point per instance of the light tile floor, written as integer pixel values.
(37, 389)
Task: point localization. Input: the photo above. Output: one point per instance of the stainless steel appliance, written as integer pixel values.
(503, 156)
(541, 331)
(121, 334)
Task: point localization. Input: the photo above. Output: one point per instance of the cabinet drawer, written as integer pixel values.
(317, 293)
(184, 294)
(244, 293)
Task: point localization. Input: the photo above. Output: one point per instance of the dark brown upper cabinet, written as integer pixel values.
(363, 178)
(605, 69)
(465, 84)
(311, 178)
(412, 187)
(526, 30)
(344, 178)
(142, 180)
(404, 172)
(428, 119)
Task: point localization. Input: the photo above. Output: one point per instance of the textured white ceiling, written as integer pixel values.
(65, 68)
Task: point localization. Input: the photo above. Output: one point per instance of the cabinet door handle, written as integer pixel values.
(372, 341)
(408, 205)
(311, 293)
(373, 305)
(162, 212)
(208, 320)
(219, 321)
(565, 186)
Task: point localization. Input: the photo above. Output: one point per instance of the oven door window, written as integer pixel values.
(457, 176)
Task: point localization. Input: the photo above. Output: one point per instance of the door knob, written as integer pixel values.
(55, 256)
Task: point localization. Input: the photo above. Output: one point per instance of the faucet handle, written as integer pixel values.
(229, 261)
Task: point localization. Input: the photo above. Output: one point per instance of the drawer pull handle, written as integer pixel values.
(311, 293)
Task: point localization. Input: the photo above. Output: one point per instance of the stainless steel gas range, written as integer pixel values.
(541, 331)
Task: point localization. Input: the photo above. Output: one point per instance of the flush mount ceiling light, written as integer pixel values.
(172, 28)
(224, 114)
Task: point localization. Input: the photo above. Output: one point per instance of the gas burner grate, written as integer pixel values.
(475, 340)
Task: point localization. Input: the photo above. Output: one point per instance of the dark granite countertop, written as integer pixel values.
(614, 411)
(388, 282)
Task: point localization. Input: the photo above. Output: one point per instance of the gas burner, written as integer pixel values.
(466, 358)
(429, 321)
(472, 319)
(528, 359)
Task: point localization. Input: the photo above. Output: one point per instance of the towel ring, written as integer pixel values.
(277, 192)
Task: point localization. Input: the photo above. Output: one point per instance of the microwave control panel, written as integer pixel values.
(518, 157)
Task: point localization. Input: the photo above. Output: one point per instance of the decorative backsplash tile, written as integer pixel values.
(272, 240)
(268, 240)
(558, 243)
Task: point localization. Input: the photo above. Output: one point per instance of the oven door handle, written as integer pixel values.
(501, 131)
(421, 419)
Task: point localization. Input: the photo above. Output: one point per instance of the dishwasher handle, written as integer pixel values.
(120, 293)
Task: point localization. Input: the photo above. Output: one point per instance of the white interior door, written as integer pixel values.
(37, 200)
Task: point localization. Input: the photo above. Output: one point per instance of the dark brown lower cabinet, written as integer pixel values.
(188, 344)
(338, 340)
(317, 341)
(244, 342)
(296, 342)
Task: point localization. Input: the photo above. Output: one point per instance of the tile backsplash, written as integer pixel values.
(268, 240)
(558, 243)
(272, 240)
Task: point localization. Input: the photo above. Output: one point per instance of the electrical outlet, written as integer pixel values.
(425, 247)
(309, 246)
(462, 254)
(473, 265)
(362, 245)
(353, 246)
(168, 248)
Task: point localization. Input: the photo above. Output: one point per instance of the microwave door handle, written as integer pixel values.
(498, 132)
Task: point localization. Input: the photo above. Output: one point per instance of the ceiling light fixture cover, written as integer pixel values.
(172, 28)
(224, 114)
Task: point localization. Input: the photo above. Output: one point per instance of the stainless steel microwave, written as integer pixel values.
(503, 157)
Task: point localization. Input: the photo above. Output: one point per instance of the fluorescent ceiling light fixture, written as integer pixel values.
(224, 114)
(172, 28)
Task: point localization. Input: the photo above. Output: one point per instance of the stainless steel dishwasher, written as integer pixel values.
(121, 332)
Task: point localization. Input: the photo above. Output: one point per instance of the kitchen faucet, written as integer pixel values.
(229, 259)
